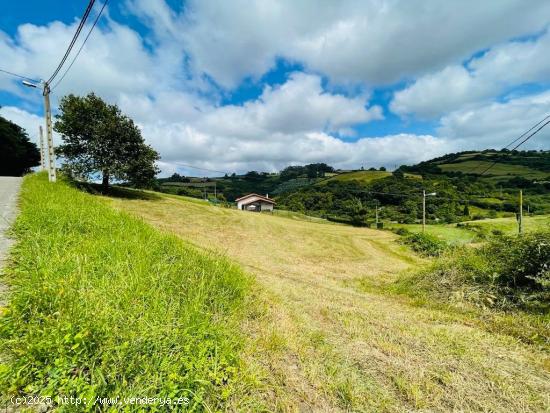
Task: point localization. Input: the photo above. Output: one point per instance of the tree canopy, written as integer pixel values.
(99, 139)
(17, 153)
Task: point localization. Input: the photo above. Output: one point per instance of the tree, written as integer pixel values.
(99, 139)
(17, 153)
(466, 210)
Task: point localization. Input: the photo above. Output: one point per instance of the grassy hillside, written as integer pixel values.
(103, 305)
(331, 337)
(473, 231)
(362, 176)
(498, 170)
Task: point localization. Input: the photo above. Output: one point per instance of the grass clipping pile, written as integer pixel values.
(103, 305)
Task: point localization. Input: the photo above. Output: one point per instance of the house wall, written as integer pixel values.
(266, 206)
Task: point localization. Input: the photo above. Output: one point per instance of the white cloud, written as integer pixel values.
(497, 124)
(503, 66)
(371, 41)
(160, 80)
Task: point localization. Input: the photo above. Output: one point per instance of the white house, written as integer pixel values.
(255, 202)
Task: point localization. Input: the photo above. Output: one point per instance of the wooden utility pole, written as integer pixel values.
(520, 216)
(42, 150)
(48, 114)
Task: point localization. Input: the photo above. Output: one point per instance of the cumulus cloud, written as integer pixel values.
(499, 123)
(503, 66)
(165, 77)
(370, 41)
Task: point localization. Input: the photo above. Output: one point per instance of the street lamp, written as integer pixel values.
(424, 195)
(48, 116)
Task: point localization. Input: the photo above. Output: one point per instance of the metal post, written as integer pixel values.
(423, 210)
(376, 215)
(520, 218)
(42, 150)
(48, 114)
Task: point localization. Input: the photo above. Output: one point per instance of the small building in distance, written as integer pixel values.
(255, 202)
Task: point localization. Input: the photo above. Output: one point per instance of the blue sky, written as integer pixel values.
(237, 86)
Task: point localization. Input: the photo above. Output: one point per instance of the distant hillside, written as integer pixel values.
(507, 164)
(362, 176)
(463, 190)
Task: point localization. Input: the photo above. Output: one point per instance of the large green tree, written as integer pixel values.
(17, 153)
(99, 139)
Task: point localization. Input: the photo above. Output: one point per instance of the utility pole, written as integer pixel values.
(48, 114)
(520, 211)
(42, 150)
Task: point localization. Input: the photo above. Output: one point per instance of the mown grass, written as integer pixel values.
(325, 344)
(104, 305)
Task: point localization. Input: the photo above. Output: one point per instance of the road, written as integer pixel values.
(9, 188)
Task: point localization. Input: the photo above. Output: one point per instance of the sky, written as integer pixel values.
(258, 85)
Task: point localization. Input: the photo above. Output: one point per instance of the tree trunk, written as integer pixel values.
(105, 181)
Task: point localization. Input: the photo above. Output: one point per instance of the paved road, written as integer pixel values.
(9, 188)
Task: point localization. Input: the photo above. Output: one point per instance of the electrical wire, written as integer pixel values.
(479, 165)
(199, 168)
(82, 45)
(19, 76)
(522, 142)
(73, 41)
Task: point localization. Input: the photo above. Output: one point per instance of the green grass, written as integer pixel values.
(363, 176)
(499, 169)
(510, 226)
(102, 304)
(469, 233)
(449, 233)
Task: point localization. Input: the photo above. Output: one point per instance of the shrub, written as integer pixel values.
(425, 244)
(401, 231)
(507, 272)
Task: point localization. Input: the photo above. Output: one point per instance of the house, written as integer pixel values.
(255, 202)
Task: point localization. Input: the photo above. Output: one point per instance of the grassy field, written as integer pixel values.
(510, 225)
(363, 176)
(104, 305)
(321, 343)
(468, 233)
(500, 169)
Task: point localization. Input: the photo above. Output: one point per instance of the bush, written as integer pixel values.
(522, 261)
(401, 231)
(509, 271)
(425, 244)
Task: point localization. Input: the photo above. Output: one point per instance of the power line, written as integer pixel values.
(511, 143)
(523, 141)
(19, 76)
(199, 168)
(73, 41)
(82, 46)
